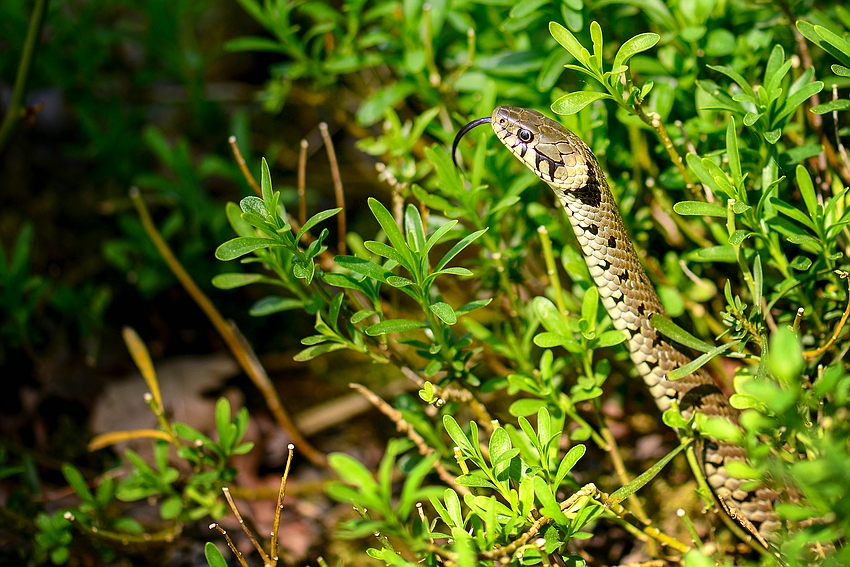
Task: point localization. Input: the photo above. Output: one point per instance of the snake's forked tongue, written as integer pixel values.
(464, 130)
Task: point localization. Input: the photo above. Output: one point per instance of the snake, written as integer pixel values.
(565, 163)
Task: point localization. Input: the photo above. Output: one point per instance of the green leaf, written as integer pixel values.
(457, 248)
(569, 42)
(793, 212)
(572, 103)
(232, 281)
(549, 506)
(807, 190)
(673, 331)
(723, 253)
(388, 224)
(590, 306)
(413, 225)
(839, 104)
(568, 462)
(317, 350)
(473, 305)
(242, 245)
(721, 429)
(438, 234)
(732, 152)
(633, 46)
(526, 406)
(457, 434)
(255, 43)
(609, 339)
(393, 326)
(352, 472)
(550, 317)
(698, 208)
(836, 41)
(596, 39)
(314, 220)
(365, 267)
(700, 361)
(266, 186)
(638, 483)
(274, 304)
(445, 312)
(382, 249)
(786, 355)
(77, 482)
(213, 555)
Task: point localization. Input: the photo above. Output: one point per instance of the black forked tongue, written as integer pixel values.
(464, 130)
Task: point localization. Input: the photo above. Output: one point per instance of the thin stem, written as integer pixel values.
(340, 196)
(243, 167)
(230, 544)
(819, 351)
(551, 269)
(404, 427)
(654, 120)
(13, 114)
(240, 349)
(302, 183)
(280, 496)
(245, 529)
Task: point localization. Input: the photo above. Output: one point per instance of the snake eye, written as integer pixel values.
(525, 135)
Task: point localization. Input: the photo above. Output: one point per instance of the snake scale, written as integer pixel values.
(569, 167)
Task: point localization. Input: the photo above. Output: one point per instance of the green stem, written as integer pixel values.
(27, 56)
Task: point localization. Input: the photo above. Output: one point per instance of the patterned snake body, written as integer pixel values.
(569, 167)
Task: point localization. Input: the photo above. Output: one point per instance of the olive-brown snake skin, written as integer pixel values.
(569, 167)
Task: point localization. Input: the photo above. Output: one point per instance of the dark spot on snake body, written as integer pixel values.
(590, 194)
(593, 229)
(699, 396)
(625, 277)
(604, 264)
(641, 308)
(612, 242)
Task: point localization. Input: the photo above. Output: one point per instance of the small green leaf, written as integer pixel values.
(365, 267)
(638, 483)
(720, 428)
(568, 41)
(698, 208)
(772, 136)
(572, 103)
(388, 224)
(77, 482)
(393, 326)
(213, 555)
(473, 305)
(274, 304)
(242, 245)
(833, 105)
(568, 462)
(314, 220)
(438, 234)
(700, 361)
(786, 355)
(317, 350)
(549, 506)
(457, 248)
(232, 281)
(633, 46)
(609, 339)
(445, 312)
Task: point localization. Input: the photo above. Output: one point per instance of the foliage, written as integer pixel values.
(734, 215)
(712, 123)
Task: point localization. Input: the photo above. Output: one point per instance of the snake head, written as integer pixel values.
(553, 153)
